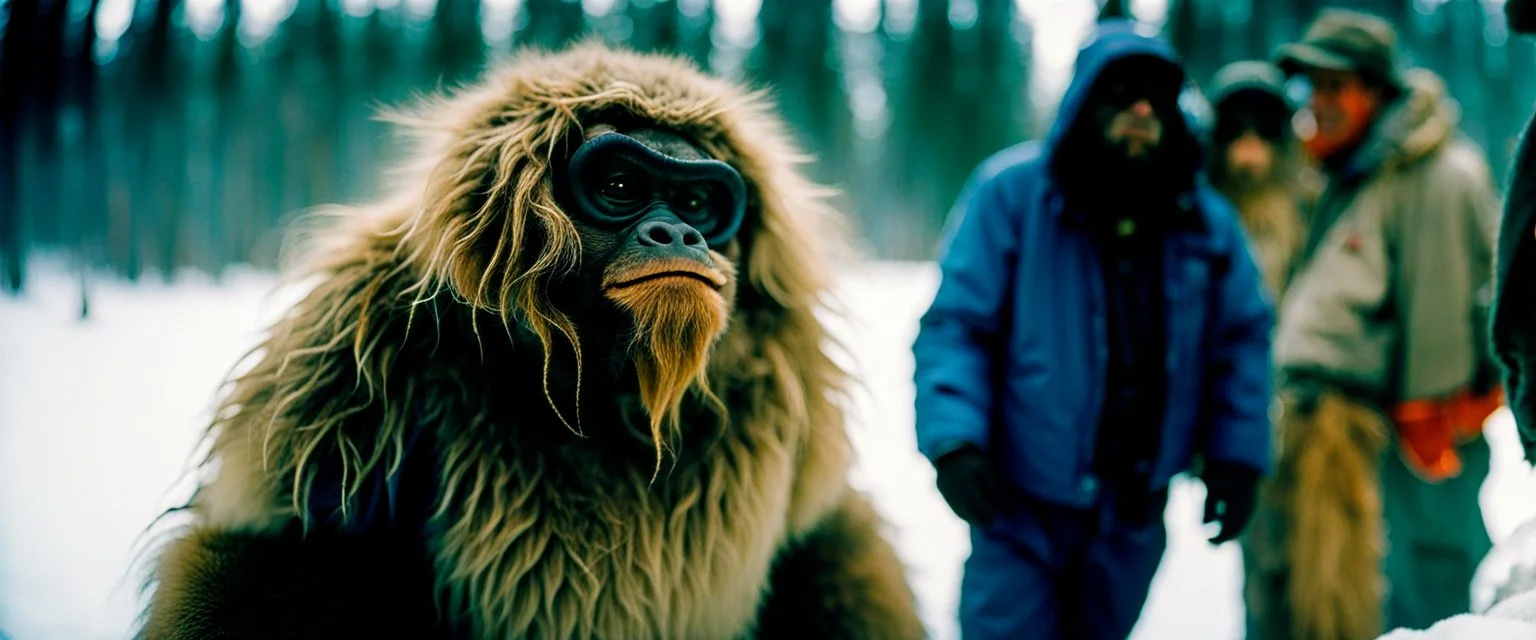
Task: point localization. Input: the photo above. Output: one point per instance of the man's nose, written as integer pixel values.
(1142, 108)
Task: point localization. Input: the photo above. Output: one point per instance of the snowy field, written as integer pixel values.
(98, 420)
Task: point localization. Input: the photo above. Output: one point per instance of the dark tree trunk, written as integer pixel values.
(83, 164)
(24, 24)
(1109, 9)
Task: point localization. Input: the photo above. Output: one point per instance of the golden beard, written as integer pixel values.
(676, 320)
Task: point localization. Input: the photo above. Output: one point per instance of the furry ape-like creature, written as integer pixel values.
(568, 381)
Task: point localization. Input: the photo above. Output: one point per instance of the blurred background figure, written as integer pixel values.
(1056, 435)
(1382, 345)
(1254, 161)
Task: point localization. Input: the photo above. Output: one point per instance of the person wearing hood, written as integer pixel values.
(1099, 322)
(1385, 376)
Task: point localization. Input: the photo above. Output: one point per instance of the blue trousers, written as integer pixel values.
(1056, 572)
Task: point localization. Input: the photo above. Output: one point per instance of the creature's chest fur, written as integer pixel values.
(543, 552)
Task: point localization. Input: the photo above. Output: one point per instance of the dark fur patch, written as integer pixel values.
(844, 580)
(235, 585)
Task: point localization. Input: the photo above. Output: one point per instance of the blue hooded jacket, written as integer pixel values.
(1011, 357)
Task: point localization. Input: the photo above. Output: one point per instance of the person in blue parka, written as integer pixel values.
(1099, 325)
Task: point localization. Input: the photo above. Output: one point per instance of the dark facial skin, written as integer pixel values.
(644, 219)
(1250, 127)
(666, 231)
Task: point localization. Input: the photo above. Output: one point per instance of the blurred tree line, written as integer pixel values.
(148, 135)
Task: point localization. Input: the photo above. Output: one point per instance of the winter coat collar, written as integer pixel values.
(1411, 128)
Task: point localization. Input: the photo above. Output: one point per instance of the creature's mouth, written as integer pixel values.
(676, 269)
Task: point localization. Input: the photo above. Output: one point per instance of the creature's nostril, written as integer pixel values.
(660, 234)
(692, 238)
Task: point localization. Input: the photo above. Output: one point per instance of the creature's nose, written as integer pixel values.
(661, 233)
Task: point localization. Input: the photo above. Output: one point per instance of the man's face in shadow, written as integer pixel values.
(1135, 130)
(1130, 101)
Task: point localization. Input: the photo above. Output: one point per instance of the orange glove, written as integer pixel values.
(1428, 430)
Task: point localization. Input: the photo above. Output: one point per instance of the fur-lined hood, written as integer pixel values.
(1419, 122)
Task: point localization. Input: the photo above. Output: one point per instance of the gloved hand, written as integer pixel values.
(1230, 493)
(973, 488)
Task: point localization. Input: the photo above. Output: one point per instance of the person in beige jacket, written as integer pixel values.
(1381, 348)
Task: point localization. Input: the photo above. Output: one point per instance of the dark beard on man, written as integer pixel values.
(1121, 157)
(1101, 175)
(1134, 181)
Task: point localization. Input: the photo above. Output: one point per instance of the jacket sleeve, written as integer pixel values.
(1443, 278)
(1239, 383)
(962, 332)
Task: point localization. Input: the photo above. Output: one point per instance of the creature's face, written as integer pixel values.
(1250, 158)
(1251, 127)
(653, 211)
(657, 218)
(658, 221)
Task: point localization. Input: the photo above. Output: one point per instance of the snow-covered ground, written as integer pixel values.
(98, 420)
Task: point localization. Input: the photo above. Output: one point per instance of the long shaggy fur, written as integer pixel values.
(1327, 486)
(540, 530)
(674, 332)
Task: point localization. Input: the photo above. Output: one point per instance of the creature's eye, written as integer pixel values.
(620, 190)
(692, 202)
